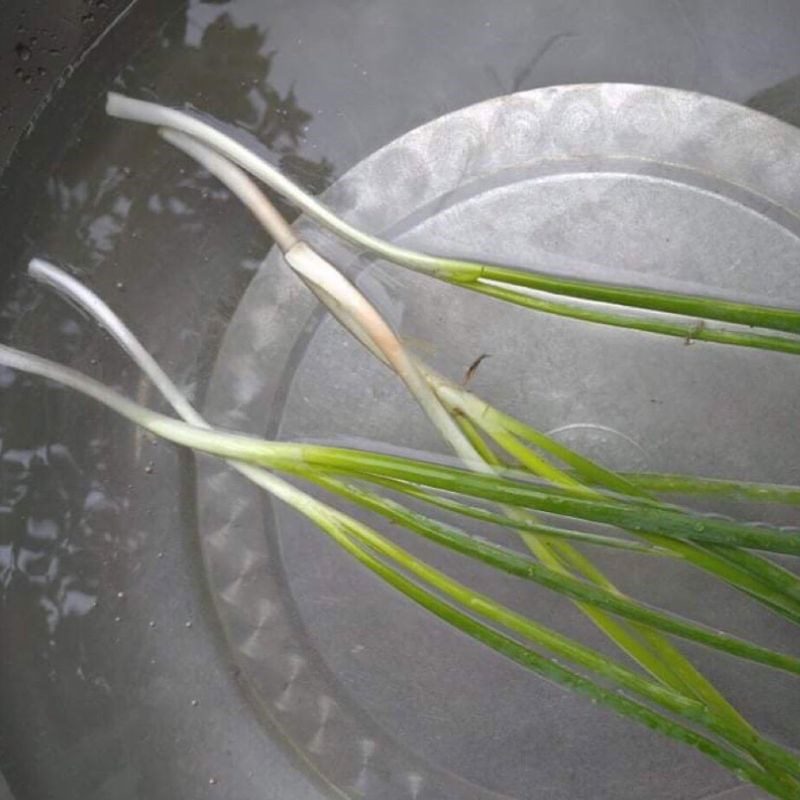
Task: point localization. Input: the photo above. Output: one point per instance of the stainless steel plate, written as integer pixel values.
(644, 184)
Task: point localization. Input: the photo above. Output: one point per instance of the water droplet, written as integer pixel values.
(212, 781)
(152, 623)
(160, 554)
(149, 468)
(699, 527)
(120, 285)
(188, 623)
(23, 51)
(120, 595)
(195, 703)
(117, 619)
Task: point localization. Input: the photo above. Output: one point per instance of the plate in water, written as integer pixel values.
(630, 183)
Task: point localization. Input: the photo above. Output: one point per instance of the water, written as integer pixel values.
(98, 534)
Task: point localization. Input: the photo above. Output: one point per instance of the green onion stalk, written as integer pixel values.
(749, 755)
(310, 461)
(686, 316)
(653, 652)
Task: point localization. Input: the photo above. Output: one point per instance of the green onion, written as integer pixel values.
(294, 458)
(506, 283)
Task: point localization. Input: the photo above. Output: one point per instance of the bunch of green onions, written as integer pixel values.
(512, 471)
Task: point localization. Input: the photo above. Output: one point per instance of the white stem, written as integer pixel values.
(118, 105)
(195, 434)
(36, 365)
(337, 293)
(50, 275)
(323, 275)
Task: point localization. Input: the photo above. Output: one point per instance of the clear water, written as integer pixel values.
(115, 681)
